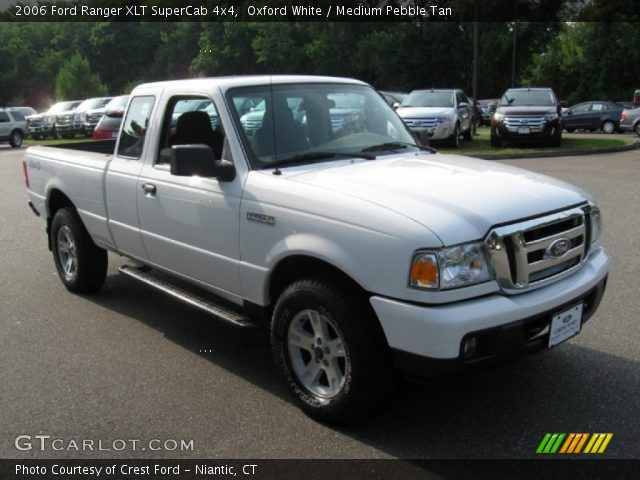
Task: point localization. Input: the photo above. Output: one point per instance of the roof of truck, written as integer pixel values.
(250, 80)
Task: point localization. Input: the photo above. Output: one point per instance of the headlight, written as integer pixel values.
(551, 116)
(596, 224)
(498, 117)
(441, 119)
(450, 267)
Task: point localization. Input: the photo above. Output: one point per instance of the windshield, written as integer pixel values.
(527, 98)
(117, 102)
(429, 99)
(63, 107)
(93, 103)
(302, 120)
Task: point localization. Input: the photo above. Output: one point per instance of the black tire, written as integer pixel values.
(495, 141)
(88, 269)
(362, 371)
(15, 139)
(608, 127)
(570, 130)
(637, 129)
(454, 140)
(468, 135)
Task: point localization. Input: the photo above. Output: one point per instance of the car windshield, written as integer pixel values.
(117, 102)
(303, 122)
(63, 107)
(429, 99)
(527, 98)
(92, 103)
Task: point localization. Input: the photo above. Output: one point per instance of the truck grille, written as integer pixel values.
(535, 124)
(34, 122)
(535, 252)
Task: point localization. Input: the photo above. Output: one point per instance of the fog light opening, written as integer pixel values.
(470, 348)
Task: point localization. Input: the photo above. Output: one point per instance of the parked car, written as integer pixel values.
(43, 124)
(487, 107)
(108, 127)
(592, 116)
(13, 127)
(527, 114)
(438, 115)
(630, 120)
(365, 256)
(92, 117)
(25, 111)
(72, 123)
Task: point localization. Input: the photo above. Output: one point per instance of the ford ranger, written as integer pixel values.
(363, 253)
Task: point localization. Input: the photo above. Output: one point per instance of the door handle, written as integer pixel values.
(149, 189)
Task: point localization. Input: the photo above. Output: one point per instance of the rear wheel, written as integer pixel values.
(16, 139)
(608, 127)
(81, 265)
(331, 350)
(637, 129)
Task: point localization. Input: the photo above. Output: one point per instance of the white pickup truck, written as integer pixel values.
(364, 254)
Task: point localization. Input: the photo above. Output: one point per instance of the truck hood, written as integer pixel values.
(458, 198)
(421, 112)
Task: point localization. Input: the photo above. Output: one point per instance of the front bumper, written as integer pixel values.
(441, 131)
(427, 341)
(547, 131)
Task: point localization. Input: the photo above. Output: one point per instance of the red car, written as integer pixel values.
(109, 125)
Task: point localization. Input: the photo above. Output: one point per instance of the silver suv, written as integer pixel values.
(438, 115)
(13, 127)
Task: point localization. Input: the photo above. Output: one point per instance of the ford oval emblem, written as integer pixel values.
(558, 248)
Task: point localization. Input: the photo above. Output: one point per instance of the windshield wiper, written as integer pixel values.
(312, 157)
(397, 145)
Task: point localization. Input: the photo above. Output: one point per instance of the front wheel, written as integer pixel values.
(637, 129)
(331, 350)
(16, 139)
(81, 265)
(454, 141)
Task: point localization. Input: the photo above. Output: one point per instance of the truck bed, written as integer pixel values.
(77, 170)
(101, 146)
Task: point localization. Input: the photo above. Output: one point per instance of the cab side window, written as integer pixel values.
(4, 117)
(191, 120)
(135, 127)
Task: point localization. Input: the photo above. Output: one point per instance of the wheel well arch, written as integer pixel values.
(55, 201)
(295, 267)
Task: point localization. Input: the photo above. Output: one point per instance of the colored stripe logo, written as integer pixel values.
(574, 443)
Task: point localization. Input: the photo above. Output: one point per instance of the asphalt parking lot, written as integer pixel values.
(128, 363)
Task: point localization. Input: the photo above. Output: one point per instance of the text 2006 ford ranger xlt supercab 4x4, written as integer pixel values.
(365, 254)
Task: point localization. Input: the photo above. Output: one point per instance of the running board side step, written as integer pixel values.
(217, 311)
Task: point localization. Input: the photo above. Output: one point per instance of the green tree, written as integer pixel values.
(76, 80)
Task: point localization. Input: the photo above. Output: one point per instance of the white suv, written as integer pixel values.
(13, 127)
(438, 115)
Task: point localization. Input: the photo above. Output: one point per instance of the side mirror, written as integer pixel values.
(463, 105)
(118, 113)
(198, 159)
(395, 105)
